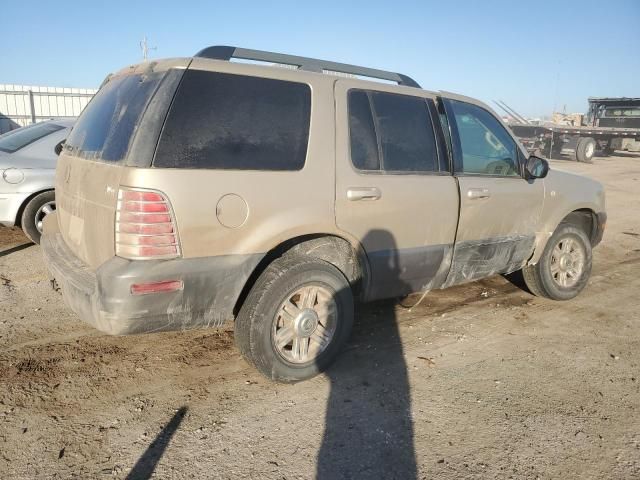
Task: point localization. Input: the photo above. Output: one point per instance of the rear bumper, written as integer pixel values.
(103, 298)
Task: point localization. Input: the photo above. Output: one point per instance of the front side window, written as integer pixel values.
(391, 132)
(13, 141)
(487, 148)
(236, 122)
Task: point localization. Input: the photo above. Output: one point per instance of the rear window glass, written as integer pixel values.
(106, 127)
(364, 145)
(13, 141)
(391, 132)
(224, 121)
(406, 133)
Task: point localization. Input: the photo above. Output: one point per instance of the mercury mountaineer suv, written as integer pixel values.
(192, 191)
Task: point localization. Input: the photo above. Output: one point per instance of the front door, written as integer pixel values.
(394, 193)
(499, 209)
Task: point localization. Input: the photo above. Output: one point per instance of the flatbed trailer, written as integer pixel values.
(553, 139)
(609, 121)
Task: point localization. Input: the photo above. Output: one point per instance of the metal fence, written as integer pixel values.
(22, 105)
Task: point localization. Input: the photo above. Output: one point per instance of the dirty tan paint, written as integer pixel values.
(416, 210)
(512, 206)
(565, 193)
(85, 207)
(419, 210)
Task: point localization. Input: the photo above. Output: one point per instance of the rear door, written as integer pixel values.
(499, 209)
(394, 193)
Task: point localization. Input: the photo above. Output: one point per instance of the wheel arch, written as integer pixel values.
(584, 218)
(345, 254)
(25, 202)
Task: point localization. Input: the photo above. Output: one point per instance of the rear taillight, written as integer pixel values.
(145, 225)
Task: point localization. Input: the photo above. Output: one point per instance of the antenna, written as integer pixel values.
(514, 114)
(509, 114)
(144, 46)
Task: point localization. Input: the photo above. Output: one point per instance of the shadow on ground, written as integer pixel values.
(17, 248)
(368, 424)
(146, 464)
(626, 154)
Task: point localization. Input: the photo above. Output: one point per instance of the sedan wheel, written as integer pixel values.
(42, 212)
(34, 214)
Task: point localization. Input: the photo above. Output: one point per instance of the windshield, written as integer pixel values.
(622, 112)
(15, 140)
(107, 125)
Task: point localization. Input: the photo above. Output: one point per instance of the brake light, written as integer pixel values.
(145, 225)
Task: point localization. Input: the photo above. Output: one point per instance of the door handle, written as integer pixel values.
(363, 193)
(474, 193)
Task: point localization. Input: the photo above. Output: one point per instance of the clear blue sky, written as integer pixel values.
(531, 54)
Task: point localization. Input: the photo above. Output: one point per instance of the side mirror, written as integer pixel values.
(536, 167)
(58, 147)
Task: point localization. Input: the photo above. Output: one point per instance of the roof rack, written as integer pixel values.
(223, 52)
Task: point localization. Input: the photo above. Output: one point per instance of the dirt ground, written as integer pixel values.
(479, 381)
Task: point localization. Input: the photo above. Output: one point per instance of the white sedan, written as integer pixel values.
(27, 170)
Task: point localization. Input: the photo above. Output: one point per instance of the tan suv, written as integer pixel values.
(198, 190)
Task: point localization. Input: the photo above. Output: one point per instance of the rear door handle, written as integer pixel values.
(363, 193)
(474, 193)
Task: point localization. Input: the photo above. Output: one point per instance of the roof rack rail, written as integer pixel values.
(223, 52)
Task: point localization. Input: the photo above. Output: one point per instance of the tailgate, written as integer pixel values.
(117, 130)
(86, 194)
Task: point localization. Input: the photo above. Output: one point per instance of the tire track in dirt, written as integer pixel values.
(99, 358)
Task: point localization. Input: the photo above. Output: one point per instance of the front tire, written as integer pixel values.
(34, 213)
(564, 267)
(295, 319)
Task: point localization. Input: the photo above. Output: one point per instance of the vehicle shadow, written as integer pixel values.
(626, 154)
(368, 424)
(517, 280)
(146, 464)
(15, 249)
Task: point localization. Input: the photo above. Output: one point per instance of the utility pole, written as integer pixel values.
(145, 48)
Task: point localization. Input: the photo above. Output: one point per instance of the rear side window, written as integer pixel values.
(400, 128)
(13, 141)
(364, 144)
(225, 121)
(106, 126)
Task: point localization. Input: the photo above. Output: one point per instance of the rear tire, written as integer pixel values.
(585, 149)
(296, 318)
(564, 267)
(34, 212)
